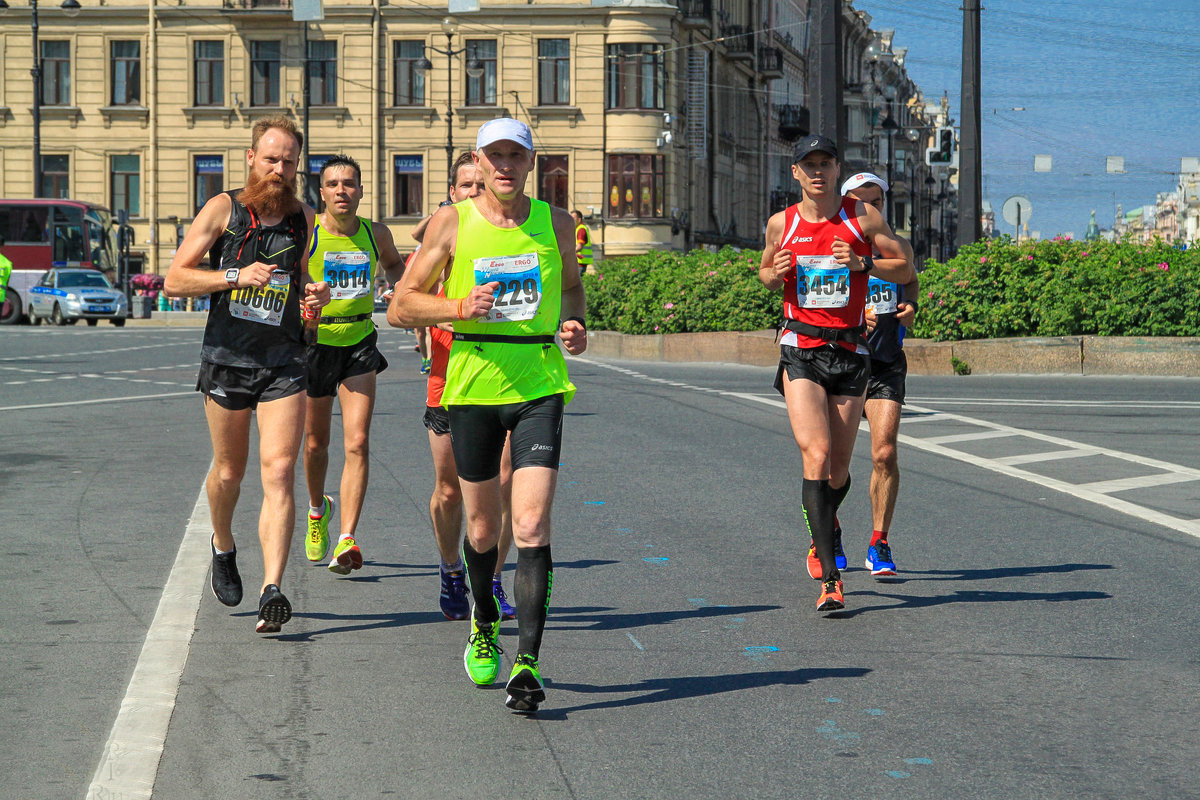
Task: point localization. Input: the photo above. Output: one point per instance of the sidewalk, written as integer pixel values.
(1067, 355)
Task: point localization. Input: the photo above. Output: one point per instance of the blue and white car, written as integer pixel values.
(67, 295)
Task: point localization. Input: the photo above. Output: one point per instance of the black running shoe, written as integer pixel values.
(273, 610)
(226, 583)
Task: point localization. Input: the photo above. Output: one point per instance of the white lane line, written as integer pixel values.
(1050, 455)
(1137, 482)
(1190, 527)
(129, 764)
(1002, 401)
(969, 437)
(101, 400)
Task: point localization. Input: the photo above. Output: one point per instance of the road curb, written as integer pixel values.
(1065, 355)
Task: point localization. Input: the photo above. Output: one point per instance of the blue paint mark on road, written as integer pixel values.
(623, 530)
(833, 699)
(763, 648)
(697, 601)
(895, 773)
(918, 761)
(833, 733)
(655, 559)
(874, 712)
(636, 643)
(593, 502)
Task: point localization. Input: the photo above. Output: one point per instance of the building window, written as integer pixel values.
(209, 178)
(410, 186)
(552, 181)
(56, 73)
(312, 187)
(126, 73)
(210, 73)
(409, 81)
(554, 72)
(56, 177)
(126, 185)
(264, 73)
(635, 76)
(481, 91)
(636, 187)
(322, 73)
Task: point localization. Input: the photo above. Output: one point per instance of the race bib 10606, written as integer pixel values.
(520, 291)
(821, 282)
(262, 304)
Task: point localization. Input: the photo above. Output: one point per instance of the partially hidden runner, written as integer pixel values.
(252, 362)
(818, 252)
(346, 251)
(890, 310)
(445, 503)
(513, 285)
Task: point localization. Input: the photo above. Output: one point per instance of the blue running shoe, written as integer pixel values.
(506, 610)
(455, 599)
(839, 555)
(879, 560)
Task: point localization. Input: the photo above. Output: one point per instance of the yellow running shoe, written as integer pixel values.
(346, 556)
(317, 543)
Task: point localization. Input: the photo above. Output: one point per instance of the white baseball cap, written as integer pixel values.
(862, 179)
(495, 130)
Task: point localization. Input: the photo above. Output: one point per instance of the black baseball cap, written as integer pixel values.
(812, 144)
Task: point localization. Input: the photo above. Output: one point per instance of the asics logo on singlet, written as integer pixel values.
(537, 447)
(799, 239)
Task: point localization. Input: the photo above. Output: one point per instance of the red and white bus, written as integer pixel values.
(44, 233)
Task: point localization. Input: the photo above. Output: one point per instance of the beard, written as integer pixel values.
(271, 196)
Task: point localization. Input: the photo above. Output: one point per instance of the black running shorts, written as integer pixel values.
(477, 435)
(437, 419)
(329, 365)
(838, 370)
(238, 388)
(887, 379)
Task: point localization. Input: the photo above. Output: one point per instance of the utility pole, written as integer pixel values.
(829, 118)
(970, 163)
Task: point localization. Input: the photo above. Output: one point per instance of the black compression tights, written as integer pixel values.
(531, 589)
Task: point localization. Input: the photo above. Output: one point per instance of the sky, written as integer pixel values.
(1077, 80)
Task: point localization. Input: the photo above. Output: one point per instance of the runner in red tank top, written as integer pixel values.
(819, 253)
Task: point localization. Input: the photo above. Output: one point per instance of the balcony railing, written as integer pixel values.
(696, 13)
(793, 122)
(257, 4)
(739, 41)
(770, 62)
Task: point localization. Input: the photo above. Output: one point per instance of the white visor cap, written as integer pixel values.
(495, 130)
(862, 179)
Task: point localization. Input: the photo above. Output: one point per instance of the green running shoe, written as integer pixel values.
(317, 543)
(482, 657)
(525, 688)
(346, 556)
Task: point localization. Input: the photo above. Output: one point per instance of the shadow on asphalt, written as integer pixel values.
(355, 622)
(991, 573)
(660, 690)
(598, 621)
(963, 596)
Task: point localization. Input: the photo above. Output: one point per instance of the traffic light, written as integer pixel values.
(942, 153)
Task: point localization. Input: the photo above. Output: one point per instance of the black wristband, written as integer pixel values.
(916, 306)
(576, 319)
(868, 263)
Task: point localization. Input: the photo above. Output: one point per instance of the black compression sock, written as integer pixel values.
(480, 568)
(818, 513)
(839, 494)
(531, 590)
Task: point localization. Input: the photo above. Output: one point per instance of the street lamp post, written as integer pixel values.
(891, 127)
(474, 70)
(71, 7)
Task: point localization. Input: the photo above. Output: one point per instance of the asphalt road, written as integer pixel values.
(1040, 640)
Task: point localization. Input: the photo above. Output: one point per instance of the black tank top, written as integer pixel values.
(885, 340)
(258, 326)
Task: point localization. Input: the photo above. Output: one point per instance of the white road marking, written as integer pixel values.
(101, 400)
(1168, 473)
(954, 438)
(1052, 455)
(1139, 482)
(129, 764)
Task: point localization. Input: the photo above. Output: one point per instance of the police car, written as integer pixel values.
(67, 295)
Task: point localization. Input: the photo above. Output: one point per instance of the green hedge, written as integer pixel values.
(998, 288)
(992, 289)
(670, 292)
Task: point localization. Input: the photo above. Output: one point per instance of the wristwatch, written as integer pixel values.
(231, 277)
(868, 263)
